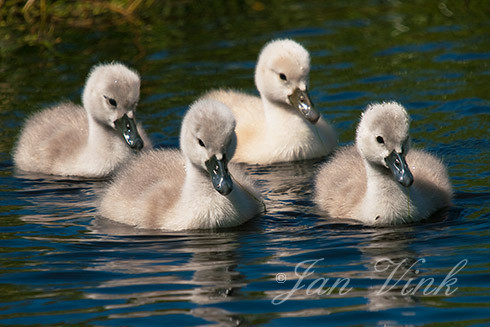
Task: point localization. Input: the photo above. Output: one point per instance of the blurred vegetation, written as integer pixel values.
(38, 22)
(43, 23)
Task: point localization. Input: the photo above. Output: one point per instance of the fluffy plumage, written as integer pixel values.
(275, 127)
(69, 139)
(358, 182)
(169, 189)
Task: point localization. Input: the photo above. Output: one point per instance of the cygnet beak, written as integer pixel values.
(129, 131)
(301, 101)
(218, 170)
(399, 168)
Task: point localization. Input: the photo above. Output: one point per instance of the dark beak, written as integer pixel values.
(127, 127)
(218, 170)
(301, 101)
(399, 168)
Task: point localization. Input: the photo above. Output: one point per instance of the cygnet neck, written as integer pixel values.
(282, 119)
(380, 181)
(275, 110)
(99, 136)
(197, 181)
(104, 147)
(385, 198)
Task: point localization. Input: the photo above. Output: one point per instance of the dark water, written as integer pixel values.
(60, 264)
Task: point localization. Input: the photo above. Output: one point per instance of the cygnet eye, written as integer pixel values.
(283, 77)
(201, 143)
(111, 101)
(380, 139)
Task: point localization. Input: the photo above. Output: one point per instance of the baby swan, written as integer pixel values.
(88, 141)
(192, 189)
(380, 180)
(282, 125)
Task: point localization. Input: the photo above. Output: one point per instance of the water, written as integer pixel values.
(61, 264)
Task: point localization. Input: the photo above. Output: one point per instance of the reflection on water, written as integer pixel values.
(199, 269)
(119, 273)
(62, 264)
(285, 185)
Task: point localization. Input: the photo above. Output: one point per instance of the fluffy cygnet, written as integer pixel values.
(88, 141)
(380, 180)
(282, 125)
(192, 189)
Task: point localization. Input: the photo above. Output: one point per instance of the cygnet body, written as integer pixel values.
(282, 125)
(380, 180)
(192, 189)
(89, 141)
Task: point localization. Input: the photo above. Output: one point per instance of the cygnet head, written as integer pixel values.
(110, 97)
(282, 76)
(383, 139)
(208, 140)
